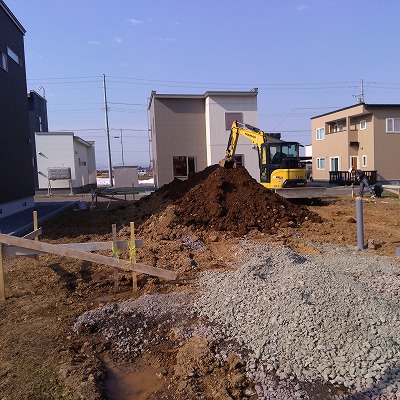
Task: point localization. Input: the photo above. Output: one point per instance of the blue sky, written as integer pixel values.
(306, 58)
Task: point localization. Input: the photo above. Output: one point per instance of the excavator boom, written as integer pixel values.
(257, 137)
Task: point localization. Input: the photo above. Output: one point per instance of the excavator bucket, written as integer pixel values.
(227, 163)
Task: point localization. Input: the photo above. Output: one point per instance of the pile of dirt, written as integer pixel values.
(167, 194)
(229, 200)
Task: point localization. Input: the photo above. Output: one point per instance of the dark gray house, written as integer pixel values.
(37, 106)
(16, 164)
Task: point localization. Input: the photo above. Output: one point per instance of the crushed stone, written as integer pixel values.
(322, 318)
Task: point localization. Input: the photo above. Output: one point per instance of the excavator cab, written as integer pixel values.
(280, 165)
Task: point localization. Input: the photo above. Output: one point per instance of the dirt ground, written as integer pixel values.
(42, 358)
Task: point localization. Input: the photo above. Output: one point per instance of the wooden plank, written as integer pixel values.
(86, 256)
(116, 254)
(34, 234)
(132, 256)
(35, 227)
(2, 288)
(13, 251)
(96, 246)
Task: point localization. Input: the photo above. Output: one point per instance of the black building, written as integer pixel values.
(37, 106)
(16, 164)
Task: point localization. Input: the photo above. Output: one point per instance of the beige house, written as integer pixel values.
(191, 132)
(363, 136)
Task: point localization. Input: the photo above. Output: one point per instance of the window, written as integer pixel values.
(320, 163)
(4, 62)
(334, 163)
(364, 161)
(239, 160)
(363, 125)
(320, 133)
(183, 166)
(230, 117)
(13, 55)
(393, 125)
(337, 128)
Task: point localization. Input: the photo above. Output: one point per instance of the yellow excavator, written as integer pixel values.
(279, 162)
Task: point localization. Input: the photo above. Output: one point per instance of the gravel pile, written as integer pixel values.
(332, 318)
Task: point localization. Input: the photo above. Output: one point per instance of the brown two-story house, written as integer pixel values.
(363, 136)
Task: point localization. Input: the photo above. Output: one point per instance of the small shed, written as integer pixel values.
(126, 176)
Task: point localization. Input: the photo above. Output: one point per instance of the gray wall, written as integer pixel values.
(179, 129)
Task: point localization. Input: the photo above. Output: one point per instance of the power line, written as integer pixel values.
(121, 79)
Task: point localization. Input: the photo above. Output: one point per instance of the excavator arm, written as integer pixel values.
(257, 137)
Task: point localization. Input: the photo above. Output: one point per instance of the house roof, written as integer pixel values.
(357, 105)
(75, 138)
(12, 17)
(252, 92)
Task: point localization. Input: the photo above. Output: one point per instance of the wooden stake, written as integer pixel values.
(35, 227)
(2, 288)
(115, 251)
(132, 257)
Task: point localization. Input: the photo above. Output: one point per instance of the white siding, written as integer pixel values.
(54, 150)
(64, 150)
(217, 136)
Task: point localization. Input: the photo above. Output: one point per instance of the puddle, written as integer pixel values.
(132, 385)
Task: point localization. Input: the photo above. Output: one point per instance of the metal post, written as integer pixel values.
(360, 224)
(108, 132)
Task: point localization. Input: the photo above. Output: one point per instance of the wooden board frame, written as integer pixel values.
(29, 245)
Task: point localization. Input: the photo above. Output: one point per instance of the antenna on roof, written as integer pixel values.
(360, 97)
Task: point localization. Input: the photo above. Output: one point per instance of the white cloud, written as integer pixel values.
(302, 7)
(93, 42)
(134, 21)
(117, 39)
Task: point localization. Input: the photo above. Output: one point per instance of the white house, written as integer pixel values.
(65, 163)
(191, 132)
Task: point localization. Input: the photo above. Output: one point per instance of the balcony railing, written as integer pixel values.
(344, 178)
(353, 136)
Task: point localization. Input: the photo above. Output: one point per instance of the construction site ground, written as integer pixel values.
(43, 358)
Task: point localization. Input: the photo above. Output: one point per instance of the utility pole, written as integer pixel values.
(362, 91)
(122, 150)
(149, 134)
(107, 132)
(360, 97)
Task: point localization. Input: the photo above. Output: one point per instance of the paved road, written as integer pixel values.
(21, 223)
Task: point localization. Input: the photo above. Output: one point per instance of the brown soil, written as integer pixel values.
(187, 226)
